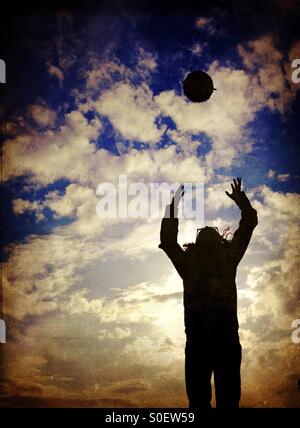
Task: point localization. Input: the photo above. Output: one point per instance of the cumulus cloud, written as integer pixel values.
(51, 264)
(266, 64)
(56, 72)
(216, 197)
(206, 24)
(42, 115)
(273, 280)
(198, 48)
(132, 112)
(271, 173)
(280, 177)
(106, 72)
(51, 155)
(20, 206)
(147, 63)
(283, 177)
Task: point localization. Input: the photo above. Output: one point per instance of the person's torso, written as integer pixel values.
(210, 291)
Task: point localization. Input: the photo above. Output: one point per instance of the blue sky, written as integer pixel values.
(91, 96)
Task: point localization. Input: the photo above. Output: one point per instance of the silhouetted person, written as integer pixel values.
(208, 269)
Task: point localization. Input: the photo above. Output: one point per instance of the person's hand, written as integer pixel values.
(177, 196)
(175, 201)
(237, 195)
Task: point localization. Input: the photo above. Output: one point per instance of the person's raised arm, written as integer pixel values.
(248, 222)
(169, 232)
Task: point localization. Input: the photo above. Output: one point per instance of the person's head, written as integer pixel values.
(208, 238)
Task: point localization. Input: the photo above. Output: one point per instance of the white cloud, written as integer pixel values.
(51, 264)
(216, 197)
(271, 173)
(206, 24)
(269, 80)
(147, 63)
(55, 71)
(20, 206)
(106, 72)
(132, 112)
(42, 115)
(278, 176)
(198, 48)
(51, 155)
(283, 177)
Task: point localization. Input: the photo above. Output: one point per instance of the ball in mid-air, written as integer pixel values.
(198, 86)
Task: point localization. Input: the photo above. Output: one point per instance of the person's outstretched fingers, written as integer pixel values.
(240, 182)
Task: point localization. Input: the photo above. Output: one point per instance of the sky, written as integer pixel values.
(93, 308)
